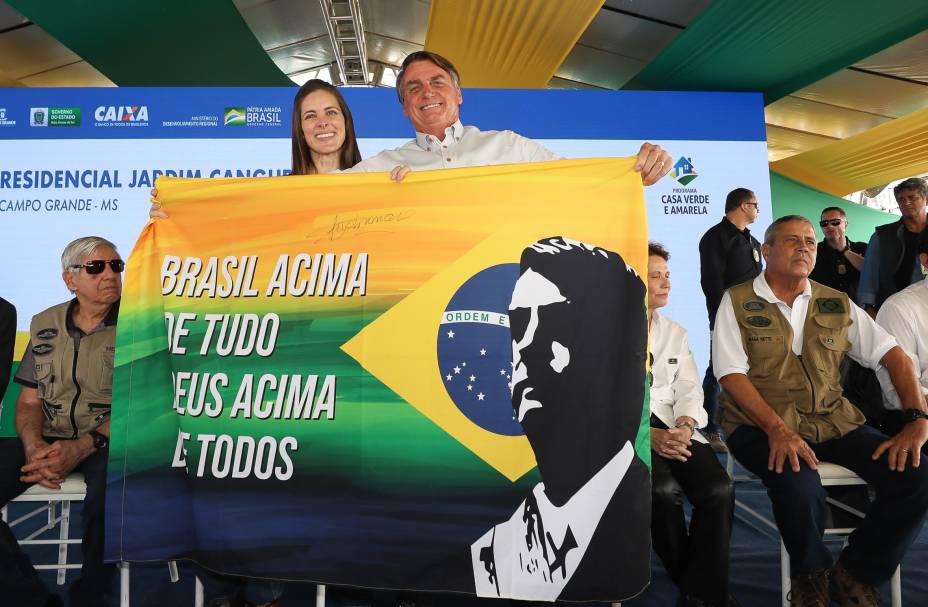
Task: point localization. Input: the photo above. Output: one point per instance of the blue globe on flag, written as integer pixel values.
(475, 349)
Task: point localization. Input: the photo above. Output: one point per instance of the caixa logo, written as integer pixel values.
(121, 115)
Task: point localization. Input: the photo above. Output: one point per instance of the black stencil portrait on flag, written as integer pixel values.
(579, 335)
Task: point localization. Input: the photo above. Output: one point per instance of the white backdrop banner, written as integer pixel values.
(77, 162)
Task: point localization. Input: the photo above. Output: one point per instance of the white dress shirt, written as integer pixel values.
(463, 146)
(869, 341)
(905, 316)
(676, 389)
(524, 558)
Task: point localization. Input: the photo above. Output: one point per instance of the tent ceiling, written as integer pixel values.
(31, 57)
(624, 37)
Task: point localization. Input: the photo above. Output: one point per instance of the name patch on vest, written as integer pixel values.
(671, 361)
(759, 321)
(829, 305)
(49, 333)
(765, 339)
(754, 305)
(42, 349)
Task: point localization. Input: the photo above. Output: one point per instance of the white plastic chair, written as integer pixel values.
(124, 584)
(833, 475)
(73, 489)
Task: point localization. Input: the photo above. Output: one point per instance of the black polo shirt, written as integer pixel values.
(727, 257)
(833, 270)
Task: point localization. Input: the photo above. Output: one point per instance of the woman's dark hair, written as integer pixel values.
(348, 156)
(658, 250)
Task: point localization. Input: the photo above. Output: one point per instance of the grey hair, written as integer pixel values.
(912, 183)
(771, 230)
(77, 250)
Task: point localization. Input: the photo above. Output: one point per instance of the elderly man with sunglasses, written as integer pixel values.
(62, 417)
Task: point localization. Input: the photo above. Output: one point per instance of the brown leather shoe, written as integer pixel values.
(848, 591)
(809, 590)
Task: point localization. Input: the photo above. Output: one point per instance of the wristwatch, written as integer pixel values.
(910, 415)
(100, 441)
(685, 424)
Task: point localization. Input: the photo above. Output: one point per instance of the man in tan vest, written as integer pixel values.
(62, 418)
(777, 346)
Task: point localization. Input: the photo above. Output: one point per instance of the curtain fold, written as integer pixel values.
(165, 43)
(894, 150)
(514, 44)
(778, 47)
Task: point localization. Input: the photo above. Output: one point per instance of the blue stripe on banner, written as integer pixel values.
(233, 113)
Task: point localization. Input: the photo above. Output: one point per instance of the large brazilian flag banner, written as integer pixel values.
(433, 385)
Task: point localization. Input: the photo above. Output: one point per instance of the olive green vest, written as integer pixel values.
(805, 391)
(76, 388)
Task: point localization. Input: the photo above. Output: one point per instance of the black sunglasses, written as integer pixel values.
(96, 266)
(829, 222)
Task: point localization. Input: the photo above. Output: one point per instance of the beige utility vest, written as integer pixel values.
(76, 387)
(805, 391)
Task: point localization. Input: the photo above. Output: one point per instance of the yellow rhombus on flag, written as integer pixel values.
(475, 219)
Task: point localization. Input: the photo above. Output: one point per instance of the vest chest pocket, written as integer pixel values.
(835, 343)
(45, 380)
(765, 353)
(832, 342)
(106, 373)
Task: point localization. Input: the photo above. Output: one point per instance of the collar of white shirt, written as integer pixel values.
(762, 288)
(431, 143)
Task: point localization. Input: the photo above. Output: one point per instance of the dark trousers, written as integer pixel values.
(19, 582)
(710, 395)
(695, 559)
(876, 547)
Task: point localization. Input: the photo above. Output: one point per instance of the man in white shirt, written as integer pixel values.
(428, 86)
(682, 462)
(778, 343)
(905, 316)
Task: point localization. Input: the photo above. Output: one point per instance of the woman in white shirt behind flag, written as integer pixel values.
(682, 463)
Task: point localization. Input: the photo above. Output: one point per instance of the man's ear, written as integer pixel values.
(764, 250)
(68, 279)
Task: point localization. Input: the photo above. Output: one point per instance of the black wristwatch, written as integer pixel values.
(910, 415)
(100, 441)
